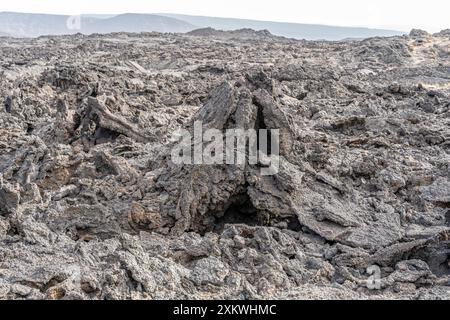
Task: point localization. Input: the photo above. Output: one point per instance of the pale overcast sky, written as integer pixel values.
(431, 15)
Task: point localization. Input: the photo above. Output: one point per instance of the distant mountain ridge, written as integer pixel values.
(285, 29)
(245, 33)
(131, 22)
(34, 25)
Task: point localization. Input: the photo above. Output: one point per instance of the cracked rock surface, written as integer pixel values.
(92, 207)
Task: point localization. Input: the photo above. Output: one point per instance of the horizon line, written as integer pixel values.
(380, 28)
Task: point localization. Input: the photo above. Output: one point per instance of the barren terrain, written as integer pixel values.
(91, 207)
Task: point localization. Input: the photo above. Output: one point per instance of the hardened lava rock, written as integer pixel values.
(93, 207)
(202, 197)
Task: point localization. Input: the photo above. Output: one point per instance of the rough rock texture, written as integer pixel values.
(92, 207)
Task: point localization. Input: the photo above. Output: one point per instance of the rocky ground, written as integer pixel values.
(91, 207)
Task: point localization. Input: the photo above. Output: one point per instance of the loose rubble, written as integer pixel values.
(92, 207)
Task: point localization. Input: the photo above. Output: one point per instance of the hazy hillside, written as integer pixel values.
(138, 23)
(33, 25)
(290, 30)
